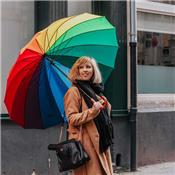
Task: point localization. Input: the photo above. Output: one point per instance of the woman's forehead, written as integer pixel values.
(86, 63)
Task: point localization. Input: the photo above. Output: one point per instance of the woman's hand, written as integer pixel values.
(96, 104)
(107, 102)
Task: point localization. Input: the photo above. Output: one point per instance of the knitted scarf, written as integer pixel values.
(102, 121)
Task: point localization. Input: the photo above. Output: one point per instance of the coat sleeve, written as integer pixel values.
(72, 103)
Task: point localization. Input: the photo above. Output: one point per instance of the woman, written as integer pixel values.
(88, 117)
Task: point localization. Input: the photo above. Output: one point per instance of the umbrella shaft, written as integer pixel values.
(52, 62)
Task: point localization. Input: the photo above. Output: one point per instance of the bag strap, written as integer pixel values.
(61, 131)
(61, 134)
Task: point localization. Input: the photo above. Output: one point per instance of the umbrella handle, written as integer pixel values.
(104, 102)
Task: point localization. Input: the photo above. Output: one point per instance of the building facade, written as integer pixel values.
(24, 150)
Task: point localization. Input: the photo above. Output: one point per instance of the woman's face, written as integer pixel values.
(85, 71)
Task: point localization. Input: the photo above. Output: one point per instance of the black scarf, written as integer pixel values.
(102, 121)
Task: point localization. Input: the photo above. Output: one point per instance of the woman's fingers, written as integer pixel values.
(92, 100)
(101, 104)
(97, 105)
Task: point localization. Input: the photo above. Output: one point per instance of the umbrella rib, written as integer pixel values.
(26, 59)
(36, 77)
(24, 78)
(39, 46)
(49, 74)
(31, 81)
(45, 39)
(74, 25)
(52, 63)
(42, 69)
(12, 109)
(52, 50)
(23, 69)
(70, 48)
(56, 38)
(59, 27)
(55, 48)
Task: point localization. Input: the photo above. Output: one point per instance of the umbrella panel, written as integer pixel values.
(89, 26)
(48, 107)
(17, 87)
(32, 110)
(89, 44)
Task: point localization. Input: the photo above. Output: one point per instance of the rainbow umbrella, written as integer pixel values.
(37, 83)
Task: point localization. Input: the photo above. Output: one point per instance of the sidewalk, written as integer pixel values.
(157, 169)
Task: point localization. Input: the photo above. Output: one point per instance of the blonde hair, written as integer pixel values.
(74, 72)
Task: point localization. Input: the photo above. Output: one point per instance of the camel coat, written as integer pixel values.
(100, 163)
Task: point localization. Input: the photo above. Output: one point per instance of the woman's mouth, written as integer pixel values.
(85, 75)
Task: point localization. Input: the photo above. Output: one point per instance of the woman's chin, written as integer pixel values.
(85, 78)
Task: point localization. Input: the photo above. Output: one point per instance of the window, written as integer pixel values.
(156, 56)
(156, 48)
(156, 53)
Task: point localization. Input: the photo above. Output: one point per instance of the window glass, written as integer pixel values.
(156, 53)
(156, 48)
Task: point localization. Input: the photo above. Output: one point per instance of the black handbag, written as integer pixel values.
(70, 154)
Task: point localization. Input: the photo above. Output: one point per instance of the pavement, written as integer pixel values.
(167, 168)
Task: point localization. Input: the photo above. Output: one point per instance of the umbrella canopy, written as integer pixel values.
(36, 83)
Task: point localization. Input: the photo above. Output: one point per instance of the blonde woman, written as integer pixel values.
(91, 113)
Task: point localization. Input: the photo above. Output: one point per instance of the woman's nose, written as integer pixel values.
(84, 69)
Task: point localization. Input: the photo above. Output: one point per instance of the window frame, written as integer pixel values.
(159, 9)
